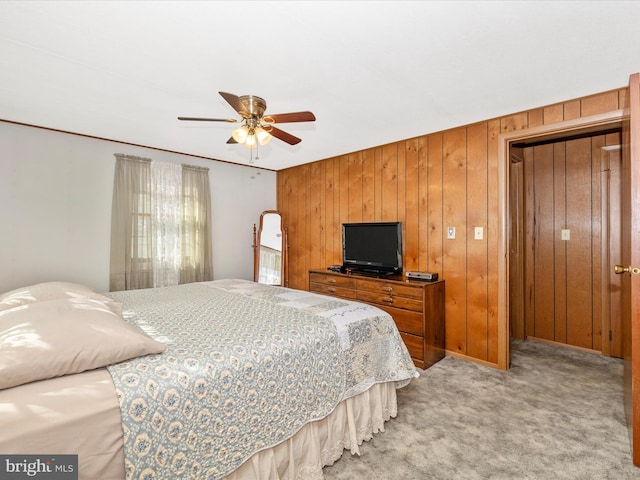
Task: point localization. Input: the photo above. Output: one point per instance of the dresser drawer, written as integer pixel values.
(415, 345)
(406, 321)
(390, 288)
(327, 289)
(390, 300)
(335, 280)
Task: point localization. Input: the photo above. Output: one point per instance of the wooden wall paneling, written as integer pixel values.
(336, 221)
(343, 177)
(610, 216)
(412, 218)
(327, 217)
(613, 250)
(441, 201)
(544, 242)
(597, 143)
(517, 121)
(553, 114)
(612, 139)
(493, 329)
(281, 186)
(600, 103)
(292, 213)
(355, 187)
(368, 180)
(283, 205)
(560, 278)
(455, 254)
(292, 220)
(316, 214)
(377, 185)
(304, 216)
(402, 190)
(516, 247)
(529, 238)
(535, 118)
(622, 97)
(477, 334)
(579, 250)
(389, 205)
(572, 110)
(431, 169)
(422, 195)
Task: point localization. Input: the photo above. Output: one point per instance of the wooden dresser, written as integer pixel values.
(416, 306)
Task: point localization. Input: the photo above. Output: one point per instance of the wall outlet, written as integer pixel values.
(478, 233)
(565, 234)
(451, 233)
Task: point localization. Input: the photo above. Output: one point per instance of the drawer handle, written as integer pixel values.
(332, 280)
(387, 299)
(331, 290)
(387, 289)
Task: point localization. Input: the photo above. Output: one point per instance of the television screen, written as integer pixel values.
(373, 247)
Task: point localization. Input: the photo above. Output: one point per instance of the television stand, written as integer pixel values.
(417, 307)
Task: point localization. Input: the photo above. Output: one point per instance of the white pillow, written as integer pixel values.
(47, 291)
(58, 337)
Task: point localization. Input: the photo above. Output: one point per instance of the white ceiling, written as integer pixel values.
(371, 72)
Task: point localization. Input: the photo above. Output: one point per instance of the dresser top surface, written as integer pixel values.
(384, 278)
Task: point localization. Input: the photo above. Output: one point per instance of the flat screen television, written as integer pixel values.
(372, 247)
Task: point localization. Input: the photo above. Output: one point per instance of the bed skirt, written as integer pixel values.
(322, 442)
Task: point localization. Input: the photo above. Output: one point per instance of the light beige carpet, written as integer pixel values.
(558, 413)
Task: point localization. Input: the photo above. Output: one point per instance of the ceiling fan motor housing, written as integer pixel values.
(255, 105)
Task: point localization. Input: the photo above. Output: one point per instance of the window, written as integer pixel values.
(160, 228)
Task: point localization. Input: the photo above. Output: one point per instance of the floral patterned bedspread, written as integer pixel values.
(246, 366)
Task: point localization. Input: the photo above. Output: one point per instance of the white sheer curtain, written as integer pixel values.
(160, 225)
(166, 222)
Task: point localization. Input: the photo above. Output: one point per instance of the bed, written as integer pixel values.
(227, 379)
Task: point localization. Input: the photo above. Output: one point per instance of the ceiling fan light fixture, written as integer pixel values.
(250, 141)
(240, 134)
(264, 137)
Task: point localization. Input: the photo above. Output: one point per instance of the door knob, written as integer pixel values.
(620, 269)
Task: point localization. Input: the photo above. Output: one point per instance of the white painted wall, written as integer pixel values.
(55, 207)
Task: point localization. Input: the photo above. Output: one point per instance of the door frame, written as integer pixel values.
(585, 125)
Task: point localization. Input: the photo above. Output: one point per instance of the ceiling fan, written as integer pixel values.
(256, 126)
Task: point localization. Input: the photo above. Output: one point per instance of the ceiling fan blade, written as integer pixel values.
(284, 136)
(290, 117)
(231, 140)
(198, 119)
(237, 105)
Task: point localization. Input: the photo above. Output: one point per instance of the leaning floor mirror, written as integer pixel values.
(270, 250)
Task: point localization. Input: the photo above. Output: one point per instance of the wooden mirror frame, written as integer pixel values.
(284, 277)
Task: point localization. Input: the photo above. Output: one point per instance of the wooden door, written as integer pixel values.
(631, 259)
